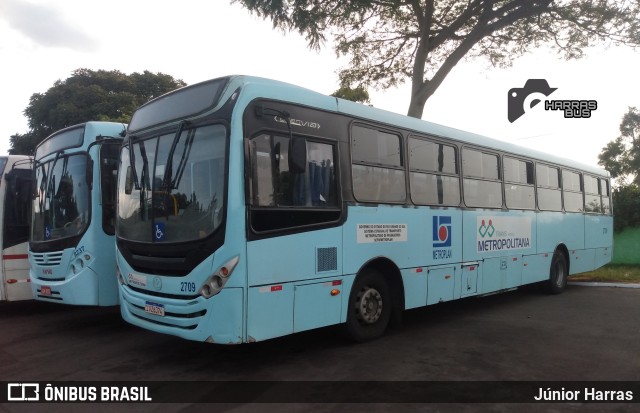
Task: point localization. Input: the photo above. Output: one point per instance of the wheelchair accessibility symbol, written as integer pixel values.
(158, 231)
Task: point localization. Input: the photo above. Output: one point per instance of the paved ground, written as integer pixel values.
(584, 334)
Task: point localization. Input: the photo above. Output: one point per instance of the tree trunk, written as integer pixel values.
(416, 106)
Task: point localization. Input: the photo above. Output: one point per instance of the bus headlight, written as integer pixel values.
(77, 266)
(78, 263)
(214, 284)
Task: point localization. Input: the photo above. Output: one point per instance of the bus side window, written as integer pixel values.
(285, 198)
(377, 169)
(592, 202)
(482, 181)
(17, 207)
(549, 193)
(605, 194)
(572, 191)
(109, 156)
(434, 173)
(518, 183)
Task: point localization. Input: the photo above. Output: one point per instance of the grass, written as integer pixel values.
(611, 273)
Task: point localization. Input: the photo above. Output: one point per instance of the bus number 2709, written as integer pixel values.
(188, 287)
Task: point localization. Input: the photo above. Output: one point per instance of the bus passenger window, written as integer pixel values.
(434, 173)
(572, 191)
(549, 194)
(377, 168)
(605, 193)
(518, 184)
(592, 202)
(481, 184)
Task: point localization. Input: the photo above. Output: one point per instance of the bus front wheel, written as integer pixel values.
(369, 307)
(558, 273)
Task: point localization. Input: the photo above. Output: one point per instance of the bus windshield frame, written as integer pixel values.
(178, 190)
(62, 198)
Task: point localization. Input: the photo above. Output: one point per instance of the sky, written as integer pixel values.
(42, 41)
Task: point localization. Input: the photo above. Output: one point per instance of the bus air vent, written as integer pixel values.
(327, 259)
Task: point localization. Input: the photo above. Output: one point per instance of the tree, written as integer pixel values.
(390, 41)
(357, 94)
(626, 207)
(88, 95)
(621, 157)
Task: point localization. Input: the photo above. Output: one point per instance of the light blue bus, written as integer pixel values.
(72, 246)
(250, 209)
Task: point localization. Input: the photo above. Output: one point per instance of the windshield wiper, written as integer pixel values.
(132, 164)
(144, 179)
(167, 179)
(183, 160)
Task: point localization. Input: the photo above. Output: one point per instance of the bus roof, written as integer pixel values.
(303, 96)
(273, 89)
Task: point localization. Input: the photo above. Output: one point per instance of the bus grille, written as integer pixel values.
(47, 259)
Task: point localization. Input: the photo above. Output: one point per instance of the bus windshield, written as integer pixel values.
(61, 203)
(171, 187)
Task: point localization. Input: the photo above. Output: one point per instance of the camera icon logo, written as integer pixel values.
(521, 100)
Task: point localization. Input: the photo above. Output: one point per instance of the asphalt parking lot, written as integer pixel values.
(584, 334)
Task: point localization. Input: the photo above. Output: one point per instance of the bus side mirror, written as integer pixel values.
(297, 155)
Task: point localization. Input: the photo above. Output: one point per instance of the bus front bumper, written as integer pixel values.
(79, 289)
(215, 320)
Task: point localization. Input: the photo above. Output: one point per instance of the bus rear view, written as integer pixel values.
(72, 245)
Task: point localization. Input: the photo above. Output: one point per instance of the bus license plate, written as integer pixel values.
(45, 291)
(154, 308)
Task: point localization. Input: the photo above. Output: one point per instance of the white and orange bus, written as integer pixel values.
(15, 212)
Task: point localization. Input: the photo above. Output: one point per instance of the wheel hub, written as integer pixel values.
(370, 305)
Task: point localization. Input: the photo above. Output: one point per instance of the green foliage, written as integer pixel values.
(621, 157)
(88, 95)
(390, 41)
(357, 94)
(626, 207)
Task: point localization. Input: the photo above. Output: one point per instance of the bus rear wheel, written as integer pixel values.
(558, 273)
(369, 308)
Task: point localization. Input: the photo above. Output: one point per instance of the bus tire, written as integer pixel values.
(558, 273)
(370, 307)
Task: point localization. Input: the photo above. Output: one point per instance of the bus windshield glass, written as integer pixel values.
(178, 104)
(69, 138)
(61, 203)
(171, 187)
